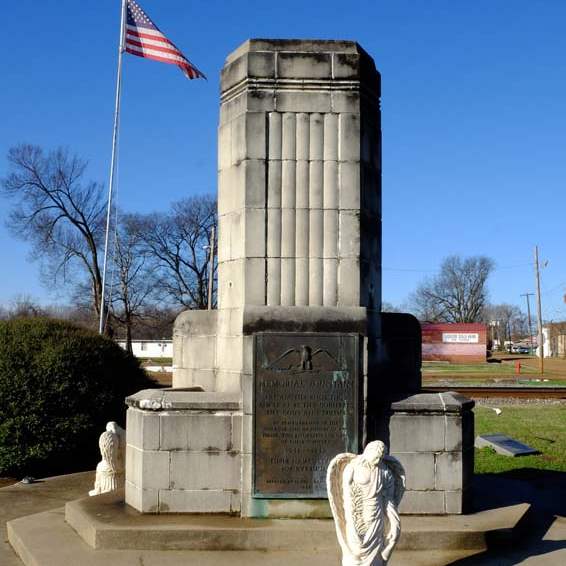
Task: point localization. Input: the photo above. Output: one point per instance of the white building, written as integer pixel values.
(145, 349)
(554, 340)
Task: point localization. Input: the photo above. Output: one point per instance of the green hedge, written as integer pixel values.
(59, 385)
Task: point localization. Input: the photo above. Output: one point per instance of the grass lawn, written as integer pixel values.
(540, 426)
(157, 361)
(444, 368)
(478, 381)
(554, 369)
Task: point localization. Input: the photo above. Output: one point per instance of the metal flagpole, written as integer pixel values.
(113, 160)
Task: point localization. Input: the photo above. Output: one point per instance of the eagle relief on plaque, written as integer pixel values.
(306, 410)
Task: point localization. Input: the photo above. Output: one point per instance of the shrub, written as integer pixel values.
(59, 385)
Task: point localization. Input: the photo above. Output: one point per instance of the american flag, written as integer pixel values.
(143, 38)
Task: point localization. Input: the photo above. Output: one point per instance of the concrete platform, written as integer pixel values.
(45, 539)
(105, 522)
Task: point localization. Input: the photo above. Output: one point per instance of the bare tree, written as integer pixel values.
(134, 278)
(457, 294)
(22, 306)
(386, 306)
(58, 213)
(508, 322)
(179, 244)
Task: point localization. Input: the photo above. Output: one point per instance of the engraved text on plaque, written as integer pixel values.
(306, 410)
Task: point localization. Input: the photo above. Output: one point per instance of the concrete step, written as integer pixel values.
(105, 522)
(45, 539)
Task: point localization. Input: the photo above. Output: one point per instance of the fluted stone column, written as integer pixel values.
(302, 118)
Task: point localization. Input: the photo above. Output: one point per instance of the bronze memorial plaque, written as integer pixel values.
(306, 410)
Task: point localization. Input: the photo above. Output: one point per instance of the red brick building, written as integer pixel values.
(454, 342)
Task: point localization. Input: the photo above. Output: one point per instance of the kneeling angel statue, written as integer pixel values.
(364, 492)
(110, 470)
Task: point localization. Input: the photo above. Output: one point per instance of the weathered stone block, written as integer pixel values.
(147, 468)
(254, 238)
(346, 65)
(350, 238)
(416, 433)
(349, 148)
(236, 432)
(205, 470)
(142, 429)
(230, 322)
(231, 246)
(345, 102)
(254, 273)
(419, 469)
(349, 183)
(297, 65)
(289, 101)
(453, 433)
(349, 283)
(274, 185)
(230, 352)
(195, 501)
(449, 472)
(233, 107)
(199, 432)
(189, 377)
(256, 64)
(247, 434)
(231, 188)
(454, 502)
(261, 64)
(230, 284)
(422, 503)
(224, 146)
(260, 100)
(199, 352)
(247, 473)
(255, 183)
(228, 381)
(195, 323)
(330, 137)
(142, 500)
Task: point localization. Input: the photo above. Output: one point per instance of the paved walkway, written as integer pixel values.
(543, 543)
(19, 500)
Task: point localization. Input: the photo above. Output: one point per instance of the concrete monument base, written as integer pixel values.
(114, 533)
(190, 452)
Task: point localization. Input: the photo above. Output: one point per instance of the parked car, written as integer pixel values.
(520, 349)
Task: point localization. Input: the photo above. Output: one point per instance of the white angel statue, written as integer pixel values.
(364, 492)
(110, 470)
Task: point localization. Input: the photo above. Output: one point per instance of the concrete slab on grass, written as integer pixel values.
(505, 445)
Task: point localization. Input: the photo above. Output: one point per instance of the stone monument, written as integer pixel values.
(297, 363)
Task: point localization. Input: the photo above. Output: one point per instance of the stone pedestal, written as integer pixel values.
(183, 452)
(432, 434)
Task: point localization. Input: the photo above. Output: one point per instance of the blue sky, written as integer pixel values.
(474, 119)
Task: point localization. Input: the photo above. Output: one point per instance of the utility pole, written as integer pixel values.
(539, 313)
(211, 268)
(527, 295)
